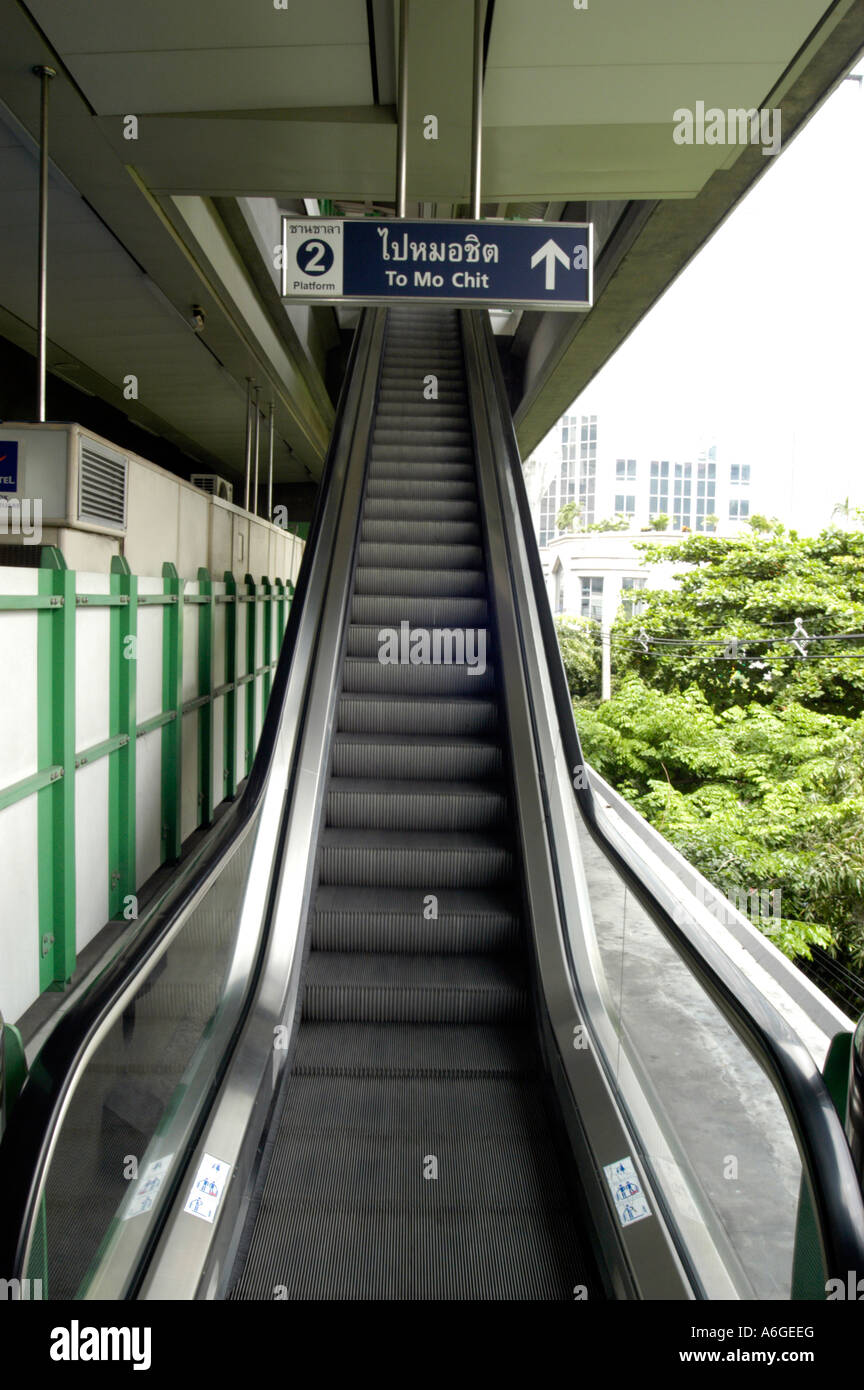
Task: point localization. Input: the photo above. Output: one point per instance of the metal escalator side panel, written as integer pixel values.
(641, 1259)
(193, 1256)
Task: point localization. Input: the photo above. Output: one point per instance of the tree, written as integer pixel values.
(567, 515)
(577, 640)
(744, 753)
(752, 797)
(750, 589)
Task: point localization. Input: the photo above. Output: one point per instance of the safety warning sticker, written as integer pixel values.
(626, 1190)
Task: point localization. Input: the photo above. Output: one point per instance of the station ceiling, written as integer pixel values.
(249, 101)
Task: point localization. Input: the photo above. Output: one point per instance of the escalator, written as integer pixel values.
(414, 1119)
(440, 1025)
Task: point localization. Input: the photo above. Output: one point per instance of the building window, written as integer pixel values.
(588, 467)
(658, 497)
(739, 510)
(548, 511)
(631, 606)
(739, 474)
(625, 504)
(682, 495)
(626, 469)
(592, 599)
(559, 589)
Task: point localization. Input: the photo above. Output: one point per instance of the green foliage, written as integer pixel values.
(750, 796)
(620, 523)
(753, 767)
(754, 586)
(567, 515)
(660, 522)
(579, 653)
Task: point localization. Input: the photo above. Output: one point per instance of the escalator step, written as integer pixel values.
(398, 509)
(453, 489)
(414, 1049)
(381, 988)
(365, 640)
(396, 920)
(430, 860)
(384, 755)
(453, 583)
(391, 609)
(424, 453)
(410, 532)
(362, 676)
(438, 556)
(355, 803)
(395, 714)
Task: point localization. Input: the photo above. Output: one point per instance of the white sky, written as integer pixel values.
(759, 344)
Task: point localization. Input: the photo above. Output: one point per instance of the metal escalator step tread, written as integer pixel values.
(435, 473)
(397, 921)
(363, 676)
(366, 641)
(347, 1179)
(435, 555)
(431, 860)
(411, 531)
(378, 988)
(355, 803)
(419, 611)
(402, 714)
(388, 755)
(401, 509)
(373, 579)
(415, 1049)
(430, 414)
(422, 453)
(436, 489)
(422, 435)
(482, 1256)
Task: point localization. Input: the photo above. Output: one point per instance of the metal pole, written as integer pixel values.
(257, 433)
(270, 471)
(477, 109)
(605, 661)
(402, 111)
(248, 438)
(44, 74)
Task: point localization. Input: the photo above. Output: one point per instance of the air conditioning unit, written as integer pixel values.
(216, 486)
(78, 478)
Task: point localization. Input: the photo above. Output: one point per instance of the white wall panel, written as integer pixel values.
(91, 850)
(19, 909)
(18, 656)
(92, 664)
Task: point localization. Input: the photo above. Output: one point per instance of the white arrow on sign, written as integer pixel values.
(550, 252)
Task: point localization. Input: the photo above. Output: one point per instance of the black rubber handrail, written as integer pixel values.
(819, 1132)
(39, 1108)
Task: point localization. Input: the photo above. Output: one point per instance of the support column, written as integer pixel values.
(122, 764)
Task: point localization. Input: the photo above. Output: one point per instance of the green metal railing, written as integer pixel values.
(55, 604)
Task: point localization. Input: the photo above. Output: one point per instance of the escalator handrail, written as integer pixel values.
(819, 1131)
(26, 1143)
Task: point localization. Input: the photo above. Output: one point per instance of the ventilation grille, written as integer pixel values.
(212, 483)
(101, 486)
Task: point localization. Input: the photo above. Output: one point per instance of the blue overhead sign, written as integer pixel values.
(369, 260)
